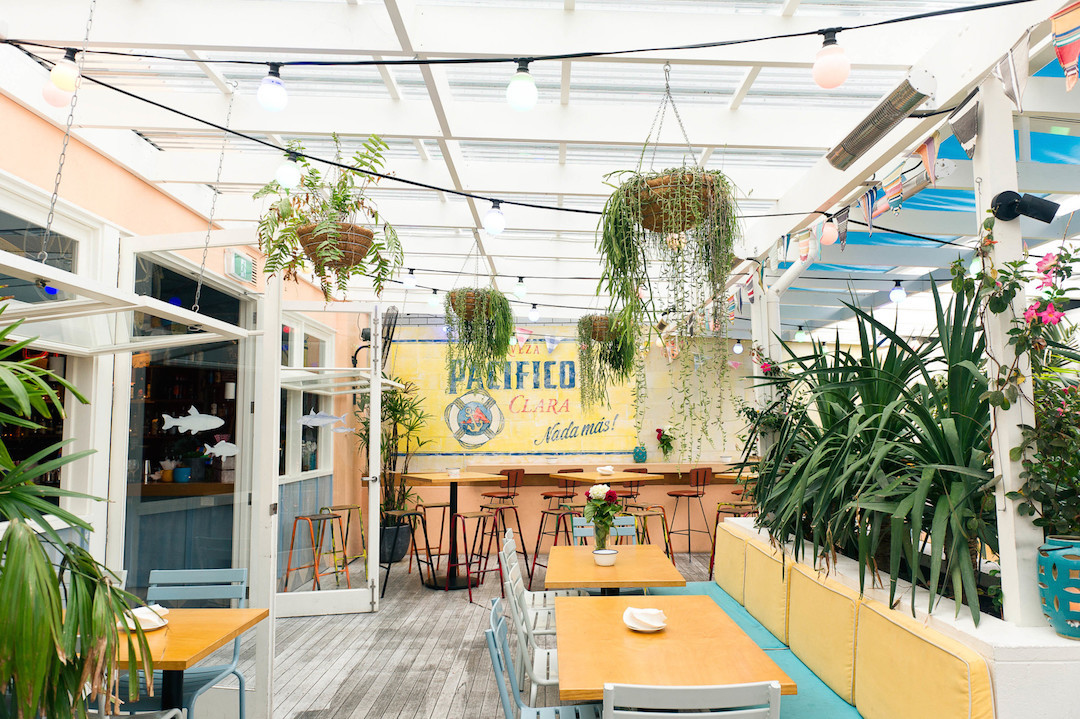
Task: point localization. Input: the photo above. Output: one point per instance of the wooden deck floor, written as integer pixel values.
(421, 656)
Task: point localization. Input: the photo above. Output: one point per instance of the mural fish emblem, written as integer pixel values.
(192, 422)
(474, 418)
(222, 449)
(321, 419)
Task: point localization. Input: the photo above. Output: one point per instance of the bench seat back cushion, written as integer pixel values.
(765, 591)
(822, 615)
(729, 564)
(944, 678)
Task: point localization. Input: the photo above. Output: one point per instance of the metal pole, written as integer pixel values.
(375, 455)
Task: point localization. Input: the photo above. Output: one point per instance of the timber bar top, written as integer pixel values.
(638, 565)
(442, 478)
(192, 634)
(700, 646)
(616, 477)
(544, 468)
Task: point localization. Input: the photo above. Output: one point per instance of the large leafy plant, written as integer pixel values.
(605, 356)
(479, 325)
(312, 226)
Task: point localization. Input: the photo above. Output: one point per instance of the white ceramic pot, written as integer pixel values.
(605, 557)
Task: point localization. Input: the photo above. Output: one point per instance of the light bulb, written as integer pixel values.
(521, 90)
(409, 282)
(832, 66)
(534, 314)
(65, 73)
(55, 96)
(494, 220)
(433, 301)
(801, 335)
(289, 173)
(520, 289)
(830, 233)
(513, 341)
(272, 94)
(897, 293)
(738, 348)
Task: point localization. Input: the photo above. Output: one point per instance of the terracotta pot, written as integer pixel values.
(354, 242)
(600, 328)
(658, 214)
(464, 303)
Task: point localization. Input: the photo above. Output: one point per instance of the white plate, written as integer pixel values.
(633, 623)
(642, 630)
(164, 623)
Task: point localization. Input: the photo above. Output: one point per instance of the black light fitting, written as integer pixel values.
(1009, 205)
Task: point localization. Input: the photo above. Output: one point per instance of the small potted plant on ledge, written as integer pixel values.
(316, 224)
(600, 509)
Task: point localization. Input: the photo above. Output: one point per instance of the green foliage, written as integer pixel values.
(602, 362)
(600, 508)
(325, 199)
(403, 420)
(884, 456)
(479, 325)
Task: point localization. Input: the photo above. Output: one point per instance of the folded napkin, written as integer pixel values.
(606, 470)
(151, 617)
(644, 620)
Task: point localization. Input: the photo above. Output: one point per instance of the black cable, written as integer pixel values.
(910, 234)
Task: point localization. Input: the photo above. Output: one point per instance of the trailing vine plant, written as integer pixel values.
(605, 357)
(479, 325)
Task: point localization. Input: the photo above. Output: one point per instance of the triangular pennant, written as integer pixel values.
(866, 203)
(1012, 70)
(750, 288)
(841, 220)
(523, 335)
(894, 187)
(927, 152)
(1066, 31)
(965, 123)
(787, 245)
(804, 245)
(738, 295)
(552, 343)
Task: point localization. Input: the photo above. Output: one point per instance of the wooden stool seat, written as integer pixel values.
(699, 479)
(316, 547)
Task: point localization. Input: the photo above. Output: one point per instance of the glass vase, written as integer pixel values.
(600, 534)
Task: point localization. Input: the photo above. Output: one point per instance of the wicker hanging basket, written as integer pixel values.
(464, 304)
(600, 328)
(674, 203)
(354, 242)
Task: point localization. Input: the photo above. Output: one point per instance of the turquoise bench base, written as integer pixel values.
(815, 699)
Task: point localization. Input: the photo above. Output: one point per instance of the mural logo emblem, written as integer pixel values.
(474, 418)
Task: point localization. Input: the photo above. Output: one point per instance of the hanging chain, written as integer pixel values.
(213, 199)
(658, 121)
(44, 253)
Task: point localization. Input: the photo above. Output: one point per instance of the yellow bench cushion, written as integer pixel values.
(946, 678)
(765, 590)
(729, 562)
(822, 616)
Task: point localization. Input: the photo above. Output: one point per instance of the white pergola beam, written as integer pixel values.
(789, 7)
(744, 87)
(212, 73)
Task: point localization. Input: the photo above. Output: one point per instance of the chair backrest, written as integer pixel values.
(178, 585)
(514, 478)
(745, 701)
(513, 573)
(502, 661)
(566, 483)
(635, 486)
(700, 476)
(519, 618)
(623, 526)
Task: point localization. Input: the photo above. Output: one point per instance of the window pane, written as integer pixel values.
(282, 437)
(309, 436)
(313, 350)
(286, 344)
(26, 239)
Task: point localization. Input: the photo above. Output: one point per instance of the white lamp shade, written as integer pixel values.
(272, 94)
(55, 96)
(832, 67)
(409, 281)
(289, 174)
(494, 221)
(521, 91)
(65, 75)
(520, 290)
(897, 294)
(433, 300)
(738, 348)
(534, 314)
(829, 233)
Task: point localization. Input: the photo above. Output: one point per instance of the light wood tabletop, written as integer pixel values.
(193, 634)
(638, 565)
(442, 478)
(700, 646)
(613, 478)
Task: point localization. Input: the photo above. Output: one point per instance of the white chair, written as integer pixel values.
(744, 701)
(102, 712)
(535, 599)
(538, 620)
(540, 664)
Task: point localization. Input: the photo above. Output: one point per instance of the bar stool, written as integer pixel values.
(735, 508)
(444, 512)
(494, 534)
(414, 516)
(561, 517)
(514, 479)
(699, 479)
(641, 516)
(316, 547)
(565, 492)
(629, 492)
(473, 557)
(348, 509)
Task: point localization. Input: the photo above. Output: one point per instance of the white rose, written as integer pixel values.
(597, 491)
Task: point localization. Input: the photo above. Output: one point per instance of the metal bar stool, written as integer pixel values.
(316, 547)
(472, 553)
(348, 510)
(735, 508)
(564, 493)
(444, 511)
(494, 534)
(641, 516)
(414, 517)
(514, 479)
(558, 514)
(629, 492)
(699, 479)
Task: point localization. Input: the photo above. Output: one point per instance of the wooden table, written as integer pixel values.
(700, 646)
(441, 479)
(638, 565)
(190, 636)
(613, 478)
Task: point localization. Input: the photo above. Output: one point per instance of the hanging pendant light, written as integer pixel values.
(521, 90)
(409, 282)
(801, 335)
(272, 94)
(520, 289)
(289, 173)
(494, 220)
(433, 301)
(534, 314)
(830, 233)
(897, 294)
(738, 348)
(832, 66)
(65, 73)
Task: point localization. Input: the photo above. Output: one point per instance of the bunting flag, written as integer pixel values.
(804, 246)
(841, 218)
(552, 343)
(672, 349)
(522, 335)
(787, 245)
(731, 307)
(750, 288)
(965, 122)
(894, 187)
(1066, 30)
(739, 297)
(866, 202)
(1012, 70)
(734, 364)
(927, 152)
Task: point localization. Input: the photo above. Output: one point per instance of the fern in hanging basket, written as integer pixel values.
(479, 325)
(606, 356)
(681, 221)
(316, 227)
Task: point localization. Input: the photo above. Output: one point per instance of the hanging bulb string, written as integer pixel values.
(554, 57)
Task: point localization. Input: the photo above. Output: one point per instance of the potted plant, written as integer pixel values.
(605, 356)
(479, 325)
(600, 509)
(61, 606)
(318, 224)
(403, 420)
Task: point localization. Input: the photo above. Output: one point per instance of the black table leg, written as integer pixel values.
(172, 689)
(609, 591)
(452, 580)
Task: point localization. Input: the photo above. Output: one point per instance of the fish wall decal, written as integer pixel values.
(221, 449)
(192, 422)
(322, 419)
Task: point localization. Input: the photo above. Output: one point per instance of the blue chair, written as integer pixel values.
(198, 585)
(623, 526)
(503, 664)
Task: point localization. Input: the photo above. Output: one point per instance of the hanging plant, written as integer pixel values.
(317, 226)
(605, 356)
(479, 325)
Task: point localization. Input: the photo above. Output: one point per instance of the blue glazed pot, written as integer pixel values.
(1059, 584)
(639, 453)
(182, 474)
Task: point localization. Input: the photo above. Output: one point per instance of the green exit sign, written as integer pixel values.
(240, 266)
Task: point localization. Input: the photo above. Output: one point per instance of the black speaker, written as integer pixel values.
(1009, 205)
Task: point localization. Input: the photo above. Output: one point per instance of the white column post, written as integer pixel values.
(995, 171)
(375, 456)
(264, 489)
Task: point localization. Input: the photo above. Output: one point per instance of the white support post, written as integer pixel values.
(375, 456)
(995, 171)
(264, 489)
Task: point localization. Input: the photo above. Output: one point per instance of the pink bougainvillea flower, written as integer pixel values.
(1047, 262)
(1031, 312)
(1047, 281)
(1050, 315)
(766, 367)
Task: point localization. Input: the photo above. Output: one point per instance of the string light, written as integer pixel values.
(494, 220)
(520, 289)
(65, 73)
(55, 96)
(830, 233)
(409, 282)
(521, 90)
(433, 301)
(832, 66)
(738, 348)
(534, 314)
(801, 335)
(897, 294)
(289, 173)
(513, 341)
(272, 94)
